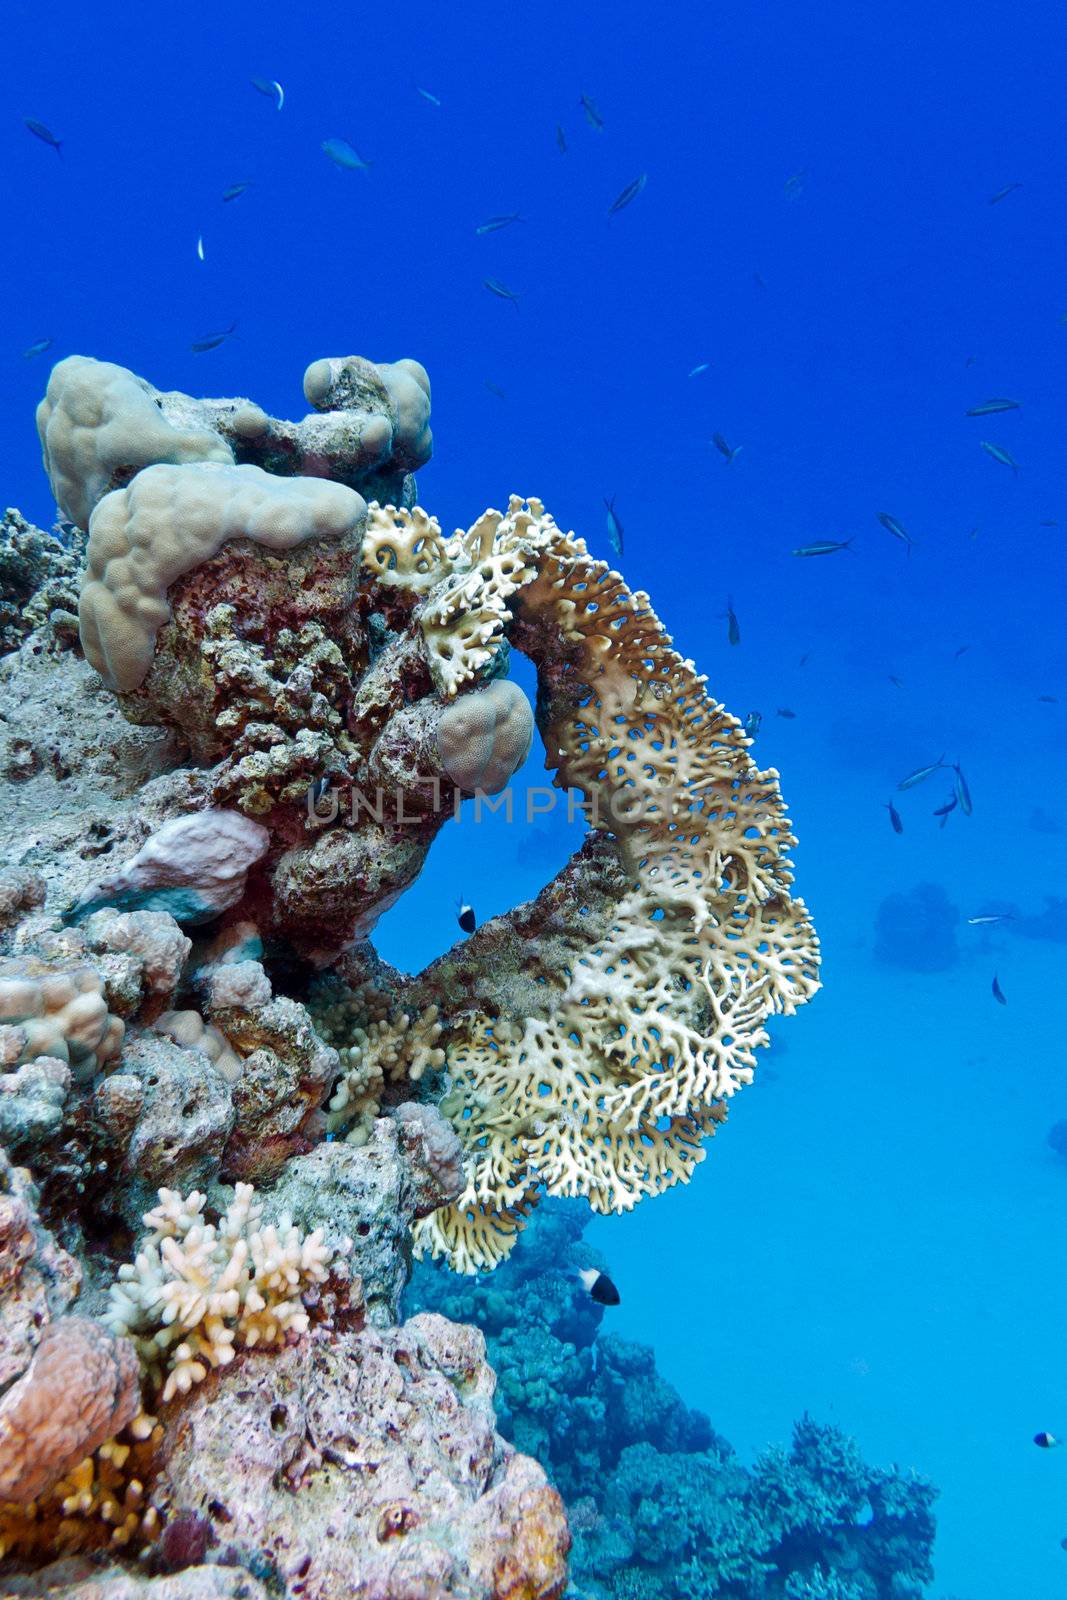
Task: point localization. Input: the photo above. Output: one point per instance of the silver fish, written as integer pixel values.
(963, 794)
(494, 224)
(271, 88)
(631, 192)
(891, 525)
(501, 291)
(426, 95)
(921, 774)
(344, 155)
(826, 547)
(592, 114)
(991, 408)
(235, 191)
(1001, 455)
(38, 348)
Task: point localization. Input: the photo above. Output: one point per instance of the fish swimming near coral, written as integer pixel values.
(627, 195)
(615, 533)
(501, 291)
(465, 916)
(733, 627)
(271, 88)
(211, 341)
(45, 135)
(752, 723)
(345, 155)
(38, 348)
(998, 453)
(599, 1286)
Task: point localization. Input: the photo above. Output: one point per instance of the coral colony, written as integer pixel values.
(239, 699)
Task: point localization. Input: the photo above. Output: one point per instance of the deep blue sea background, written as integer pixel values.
(878, 1235)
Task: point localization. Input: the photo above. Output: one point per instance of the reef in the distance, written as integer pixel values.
(660, 1507)
(237, 704)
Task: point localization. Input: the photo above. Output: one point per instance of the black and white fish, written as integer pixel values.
(465, 916)
(599, 1286)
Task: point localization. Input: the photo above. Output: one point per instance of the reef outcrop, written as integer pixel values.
(226, 1124)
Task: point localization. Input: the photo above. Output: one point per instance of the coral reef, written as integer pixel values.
(282, 682)
(659, 1505)
(916, 930)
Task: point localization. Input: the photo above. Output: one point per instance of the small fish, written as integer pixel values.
(752, 723)
(465, 916)
(949, 806)
(1043, 699)
(1001, 455)
(592, 114)
(724, 449)
(1048, 523)
(494, 390)
(733, 629)
(615, 533)
(794, 185)
(45, 135)
(561, 139)
(825, 547)
(1045, 1441)
(631, 192)
(784, 711)
(38, 348)
(344, 155)
(501, 291)
(921, 774)
(703, 367)
(1002, 194)
(200, 247)
(805, 658)
(271, 88)
(211, 341)
(426, 95)
(599, 1286)
(990, 918)
(317, 792)
(496, 223)
(235, 191)
(891, 525)
(894, 817)
(963, 794)
(990, 408)
(898, 683)
(962, 651)
(758, 281)
(998, 995)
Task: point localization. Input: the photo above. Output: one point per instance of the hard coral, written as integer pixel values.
(198, 1291)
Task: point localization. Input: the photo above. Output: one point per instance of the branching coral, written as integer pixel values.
(650, 1024)
(372, 1053)
(199, 1291)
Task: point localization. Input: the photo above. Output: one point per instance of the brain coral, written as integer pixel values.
(483, 738)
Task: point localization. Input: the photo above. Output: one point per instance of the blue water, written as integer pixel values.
(878, 1234)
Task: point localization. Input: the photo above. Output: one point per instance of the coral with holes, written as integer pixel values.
(659, 1505)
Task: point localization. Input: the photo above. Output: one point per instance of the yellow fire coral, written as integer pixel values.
(609, 1085)
(197, 1292)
